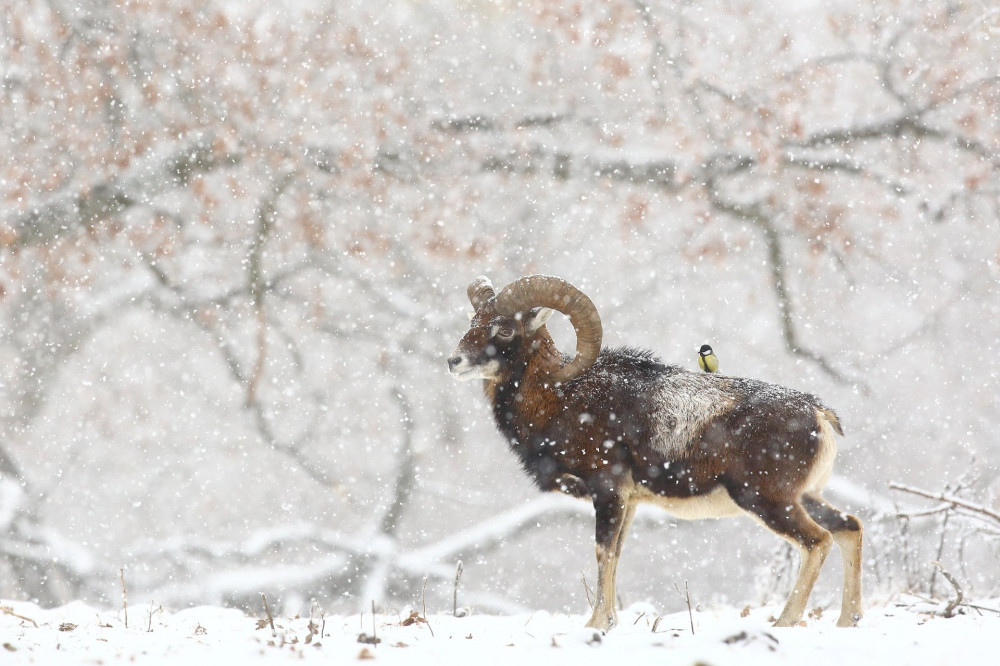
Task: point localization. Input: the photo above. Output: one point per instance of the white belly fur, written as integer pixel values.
(714, 504)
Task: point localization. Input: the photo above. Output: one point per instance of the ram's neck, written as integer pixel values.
(526, 398)
(543, 358)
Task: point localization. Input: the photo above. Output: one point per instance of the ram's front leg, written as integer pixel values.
(614, 516)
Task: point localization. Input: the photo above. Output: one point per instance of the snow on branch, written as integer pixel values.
(148, 177)
(342, 561)
(509, 524)
(856, 495)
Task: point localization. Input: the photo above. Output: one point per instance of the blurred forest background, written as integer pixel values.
(235, 238)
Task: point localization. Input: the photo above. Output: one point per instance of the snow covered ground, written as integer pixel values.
(904, 631)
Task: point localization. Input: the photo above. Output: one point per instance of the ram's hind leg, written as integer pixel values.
(847, 533)
(789, 520)
(793, 523)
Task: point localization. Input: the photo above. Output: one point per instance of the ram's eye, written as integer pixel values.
(505, 332)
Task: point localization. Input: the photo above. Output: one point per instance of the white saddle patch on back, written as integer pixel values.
(684, 404)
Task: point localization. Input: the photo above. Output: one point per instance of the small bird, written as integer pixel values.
(707, 360)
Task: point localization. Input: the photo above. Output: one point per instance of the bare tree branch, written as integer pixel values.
(950, 499)
(755, 214)
(406, 473)
(189, 311)
(257, 283)
(69, 212)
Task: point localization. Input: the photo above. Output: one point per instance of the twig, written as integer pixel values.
(149, 626)
(940, 550)
(949, 610)
(7, 610)
(983, 608)
(919, 599)
(950, 499)
(586, 588)
(454, 604)
(311, 627)
(423, 605)
(124, 597)
(940, 508)
(365, 638)
(687, 597)
(274, 632)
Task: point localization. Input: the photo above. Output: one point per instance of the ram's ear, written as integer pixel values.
(536, 318)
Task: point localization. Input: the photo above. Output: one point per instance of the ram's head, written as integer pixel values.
(504, 327)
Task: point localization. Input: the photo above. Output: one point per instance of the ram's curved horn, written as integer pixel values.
(534, 291)
(480, 291)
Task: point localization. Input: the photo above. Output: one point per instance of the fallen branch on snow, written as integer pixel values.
(7, 610)
(949, 610)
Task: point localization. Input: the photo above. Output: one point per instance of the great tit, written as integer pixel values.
(707, 360)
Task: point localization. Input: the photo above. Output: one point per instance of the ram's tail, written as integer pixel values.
(830, 417)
